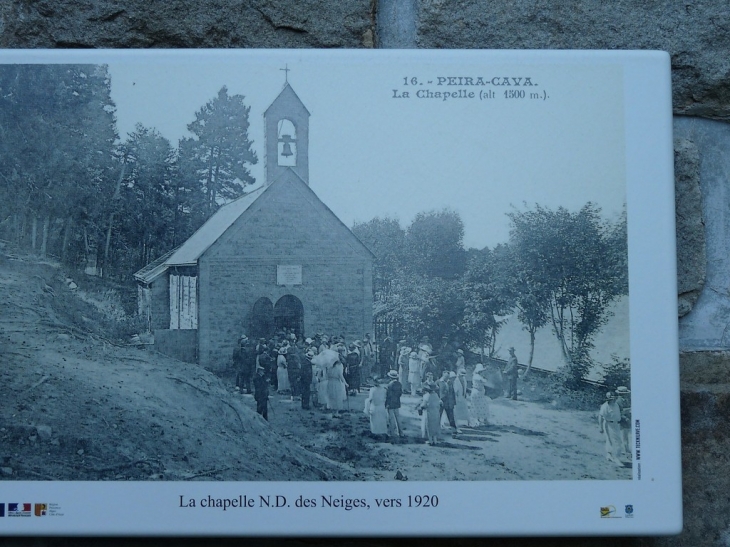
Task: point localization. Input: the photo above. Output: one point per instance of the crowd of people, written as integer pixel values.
(289, 364)
(325, 372)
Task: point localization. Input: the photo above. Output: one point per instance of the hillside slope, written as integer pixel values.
(75, 405)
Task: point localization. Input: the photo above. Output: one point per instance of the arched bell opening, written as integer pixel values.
(287, 143)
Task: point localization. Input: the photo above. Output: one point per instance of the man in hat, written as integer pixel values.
(352, 370)
(261, 393)
(402, 361)
(448, 397)
(246, 363)
(512, 372)
(305, 378)
(609, 417)
(392, 404)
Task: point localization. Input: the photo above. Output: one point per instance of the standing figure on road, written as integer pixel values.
(623, 400)
(336, 387)
(478, 400)
(609, 417)
(294, 368)
(415, 370)
(512, 372)
(375, 409)
(282, 375)
(239, 363)
(392, 404)
(403, 353)
(461, 410)
(261, 392)
(447, 393)
(352, 370)
(305, 379)
(430, 410)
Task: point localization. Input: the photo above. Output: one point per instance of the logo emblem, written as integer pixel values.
(607, 511)
(19, 509)
(629, 510)
(41, 509)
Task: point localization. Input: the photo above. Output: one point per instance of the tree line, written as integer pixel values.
(561, 269)
(71, 188)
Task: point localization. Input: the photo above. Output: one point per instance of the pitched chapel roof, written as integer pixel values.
(189, 252)
(287, 92)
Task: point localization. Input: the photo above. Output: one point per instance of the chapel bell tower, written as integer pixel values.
(286, 136)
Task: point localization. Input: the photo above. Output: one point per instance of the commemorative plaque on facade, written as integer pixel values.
(289, 274)
(487, 334)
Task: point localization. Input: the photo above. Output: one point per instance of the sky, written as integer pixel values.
(372, 154)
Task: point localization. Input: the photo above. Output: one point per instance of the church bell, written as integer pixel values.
(286, 151)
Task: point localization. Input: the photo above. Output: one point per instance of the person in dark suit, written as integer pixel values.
(261, 393)
(305, 379)
(448, 396)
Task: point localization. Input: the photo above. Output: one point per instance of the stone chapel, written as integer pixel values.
(275, 257)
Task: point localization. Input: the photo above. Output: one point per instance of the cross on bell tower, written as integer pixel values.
(286, 134)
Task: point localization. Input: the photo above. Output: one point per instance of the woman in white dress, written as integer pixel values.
(375, 409)
(609, 418)
(478, 400)
(461, 409)
(282, 374)
(336, 387)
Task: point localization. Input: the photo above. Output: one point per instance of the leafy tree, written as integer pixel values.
(531, 298)
(223, 148)
(423, 306)
(487, 296)
(435, 245)
(387, 241)
(570, 260)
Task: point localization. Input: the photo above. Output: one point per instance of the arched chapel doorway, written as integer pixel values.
(262, 319)
(289, 313)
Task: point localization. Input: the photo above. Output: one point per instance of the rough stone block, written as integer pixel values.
(705, 399)
(184, 24)
(44, 432)
(707, 326)
(696, 34)
(690, 226)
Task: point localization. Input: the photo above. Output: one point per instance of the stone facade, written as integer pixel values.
(287, 225)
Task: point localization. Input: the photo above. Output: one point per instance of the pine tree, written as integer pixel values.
(223, 148)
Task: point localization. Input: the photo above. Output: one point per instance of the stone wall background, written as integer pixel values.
(695, 32)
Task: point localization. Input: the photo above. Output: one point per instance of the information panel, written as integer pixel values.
(487, 335)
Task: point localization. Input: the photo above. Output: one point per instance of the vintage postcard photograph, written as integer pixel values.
(305, 267)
